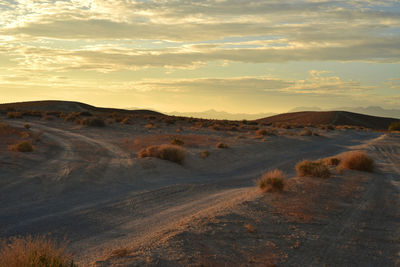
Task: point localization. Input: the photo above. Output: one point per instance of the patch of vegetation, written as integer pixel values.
(222, 145)
(34, 252)
(14, 115)
(395, 126)
(177, 142)
(306, 132)
(262, 132)
(250, 228)
(166, 152)
(205, 154)
(24, 146)
(357, 160)
(126, 120)
(272, 181)
(311, 168)
(94, 122)
(330, 161)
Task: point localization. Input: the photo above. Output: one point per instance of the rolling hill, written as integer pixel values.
(67, 106)
(331, 117)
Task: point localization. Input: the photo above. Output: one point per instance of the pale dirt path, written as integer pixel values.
(98, 208)
(366, 233)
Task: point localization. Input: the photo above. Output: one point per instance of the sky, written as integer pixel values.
(240, 56)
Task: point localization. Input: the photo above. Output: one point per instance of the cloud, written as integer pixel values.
(265, 31)
(106, 59)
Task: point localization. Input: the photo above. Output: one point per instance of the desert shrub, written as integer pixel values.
(34, 252)
(252, 128)
(149, 126)
(166, 152)
(126, 120)
(272, 181)
(395, 126)
(250, 228)
(71, 117)
(14, 115)
(331, 161)
(222, 145)
(306, 132)
(311, 168)
(95, 122)
(24, 146)
(205, 154)
(262, 132)
(357, 160)
(177, 142)
(27, 126)
(169, 121)
(48, 118)
(85, 113)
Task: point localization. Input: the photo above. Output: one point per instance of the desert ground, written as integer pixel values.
(87, 185)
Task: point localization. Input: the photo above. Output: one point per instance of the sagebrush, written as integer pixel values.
(312, 168)
(166, 152)
(272, 181)
(39, 251)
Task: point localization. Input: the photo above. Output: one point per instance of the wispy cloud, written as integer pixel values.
(56, 38)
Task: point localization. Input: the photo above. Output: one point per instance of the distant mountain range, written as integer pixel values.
(221, 115)
(371, 110)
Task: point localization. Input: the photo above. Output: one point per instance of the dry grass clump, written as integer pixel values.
(14, 115)
(395, 126)
(177, 142)
(94, 122)
(357, 160)
(250, 228)
(126, 120)
(24, 146)
(34, 252)
(6, 130)
(262, 132)
(166, 152)
(306, 132)
(330, 161)
(311, 168)
(222, 145)
(149, 126)
(205, 154)
(272, 181)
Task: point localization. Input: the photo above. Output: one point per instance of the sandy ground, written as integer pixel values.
(88, 185)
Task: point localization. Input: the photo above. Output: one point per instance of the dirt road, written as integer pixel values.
(82, 185)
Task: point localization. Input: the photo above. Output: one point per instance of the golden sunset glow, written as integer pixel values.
(237, 56)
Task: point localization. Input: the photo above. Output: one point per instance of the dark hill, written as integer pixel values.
(331, 117)
(67, 106)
